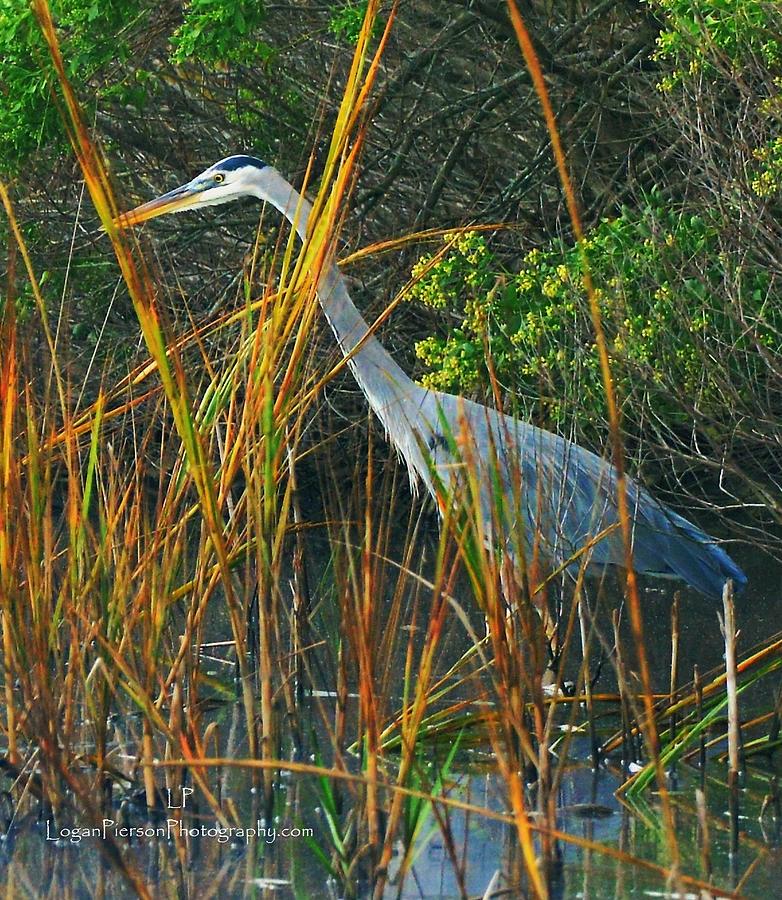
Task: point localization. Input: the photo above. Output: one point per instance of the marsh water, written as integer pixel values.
(184, 852)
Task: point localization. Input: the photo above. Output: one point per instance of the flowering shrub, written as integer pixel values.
(732, 43)
(660, 279)
(707, 34)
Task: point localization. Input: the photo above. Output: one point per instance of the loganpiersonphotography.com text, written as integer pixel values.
(172, 828)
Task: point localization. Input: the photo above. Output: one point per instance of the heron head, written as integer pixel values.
(233, 177)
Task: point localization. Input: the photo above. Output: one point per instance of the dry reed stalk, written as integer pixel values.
(674, 675)
(728, 627)
(585, 625)
(776, 718)
(170, 366)
(625, 519)
(628, 744)
(698, 689)
(148, 757)
(302, 600)
(410, 731)
(8, 400)
(367, 671)
(703, 833)
(674, 680)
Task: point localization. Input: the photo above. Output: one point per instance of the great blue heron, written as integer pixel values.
(561, 495)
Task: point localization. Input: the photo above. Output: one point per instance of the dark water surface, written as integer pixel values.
(51, 855)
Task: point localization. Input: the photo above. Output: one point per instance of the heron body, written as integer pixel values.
(560, 497)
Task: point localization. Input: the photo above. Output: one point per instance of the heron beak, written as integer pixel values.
(180, 198)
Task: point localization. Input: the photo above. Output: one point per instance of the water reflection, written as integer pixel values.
(191, 861)
(185, 852)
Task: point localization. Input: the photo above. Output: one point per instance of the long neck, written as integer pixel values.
(378, 375)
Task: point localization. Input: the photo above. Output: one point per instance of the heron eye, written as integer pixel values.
(219, 178)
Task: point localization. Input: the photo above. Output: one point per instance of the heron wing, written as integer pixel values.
(540, 489)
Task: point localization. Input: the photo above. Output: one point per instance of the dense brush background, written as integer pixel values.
(670, 113)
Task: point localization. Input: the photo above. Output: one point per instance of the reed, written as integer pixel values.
(179, 613)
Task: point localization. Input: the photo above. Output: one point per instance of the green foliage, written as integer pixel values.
(741, 41)
(467, 272)
(347, 19)
(767, 181)
(220, 31)
(702, 34)
(660, 279)
(93, 35)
